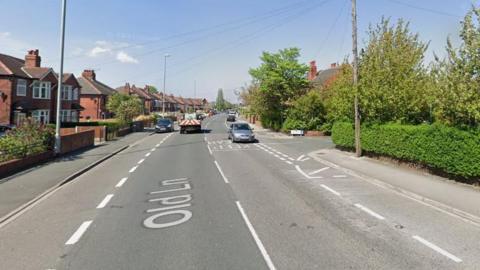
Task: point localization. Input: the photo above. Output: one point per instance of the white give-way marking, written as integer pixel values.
(319, 170)
(330, 189)
(437, 249)
(305, 174)
(260, 246)
(80, 231)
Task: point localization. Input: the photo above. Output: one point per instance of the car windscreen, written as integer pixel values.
(163, 122)
(241, 127)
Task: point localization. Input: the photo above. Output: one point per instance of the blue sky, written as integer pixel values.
(212, 42)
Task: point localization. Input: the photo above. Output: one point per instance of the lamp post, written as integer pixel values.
(164, 82)
(60, 79)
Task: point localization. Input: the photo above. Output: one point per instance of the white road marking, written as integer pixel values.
(104, 202)
(141, 161)
(158, 144)
(209, 149)
(289, 162)
(281, 158)
(148, 154)
(305, 159)
(306, 175)
(300, 157)
(80, 231)
(292, 159)
(319, 170)
(221, 172)
(370, 212)
(339, 176)
(153, 149)
(260, 246)
(133, 169)
(330, 189)
(437, 249)
(121, 182)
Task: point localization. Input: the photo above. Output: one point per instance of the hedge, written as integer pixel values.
(454, 151)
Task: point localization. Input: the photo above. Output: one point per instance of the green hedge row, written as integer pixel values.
(449, 149)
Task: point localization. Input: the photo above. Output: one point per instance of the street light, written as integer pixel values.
(164, 81)
(60, 79)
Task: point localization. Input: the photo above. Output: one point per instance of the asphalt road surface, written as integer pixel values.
(197, 201)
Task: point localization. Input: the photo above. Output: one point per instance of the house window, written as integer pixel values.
(75, 94)
(67, 92)
(21, 87)
(67, 116)
(19, 118)
(41, 116)
(41, 90)
(74, 117)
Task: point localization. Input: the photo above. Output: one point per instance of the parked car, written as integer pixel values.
(241, 132)
(4, 129)
(164, 125)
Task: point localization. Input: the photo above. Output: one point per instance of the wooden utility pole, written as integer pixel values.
(358, 146)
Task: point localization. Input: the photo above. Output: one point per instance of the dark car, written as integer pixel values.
(4, 129)
(164, 125)
(241, 132)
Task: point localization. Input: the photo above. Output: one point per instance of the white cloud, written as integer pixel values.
(4, 34)
(125, 58)
(12, 45)
(98, 50)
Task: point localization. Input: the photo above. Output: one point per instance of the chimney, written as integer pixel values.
(312, 73)
(333, 65)
(32, 59)
(89, 74)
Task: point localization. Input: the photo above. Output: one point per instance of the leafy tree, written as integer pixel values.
(458, 77)
(125, 107)
(393, 79)
(152, 89)
(280, 79)
(307, 112)
(220, 101)
(339, 95)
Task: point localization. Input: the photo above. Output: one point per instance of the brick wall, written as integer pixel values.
(94, 106)
(5, 100)
(77, 141)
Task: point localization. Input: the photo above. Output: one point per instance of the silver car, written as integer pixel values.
(241, 132)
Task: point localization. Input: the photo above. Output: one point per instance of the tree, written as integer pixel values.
(307, 113)
(152, 89)
(220, 101)
(280, 79)
(458, 77)
(393, 80)
(125, 107)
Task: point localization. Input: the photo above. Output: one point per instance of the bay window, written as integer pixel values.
(41, 116)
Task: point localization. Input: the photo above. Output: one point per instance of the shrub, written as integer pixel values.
(26, 140)
(291, 124)
(449, 149)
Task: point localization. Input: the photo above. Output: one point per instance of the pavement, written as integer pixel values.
(18, 189)
(198, 201)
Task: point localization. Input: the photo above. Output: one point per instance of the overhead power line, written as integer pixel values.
(439, 12)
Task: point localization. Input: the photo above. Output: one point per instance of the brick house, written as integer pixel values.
(170, 103)
(325, 77)
(143, 94)
(29, 90)
(94, 96)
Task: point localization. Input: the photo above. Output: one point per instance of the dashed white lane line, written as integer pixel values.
(300, 157)
(437, 249)
(153, 149)
(158, 144)
(292, 159)
(330, 189)
(121, 182)
(148, 154)
(221, 172)
(260, 246)
(133, 169)
(289, 162)
(319, 170)
(281, 158)
(104, 202)
(305, 159)
(141, 161)
(368, 211)
(78, 233)
(339, 176)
